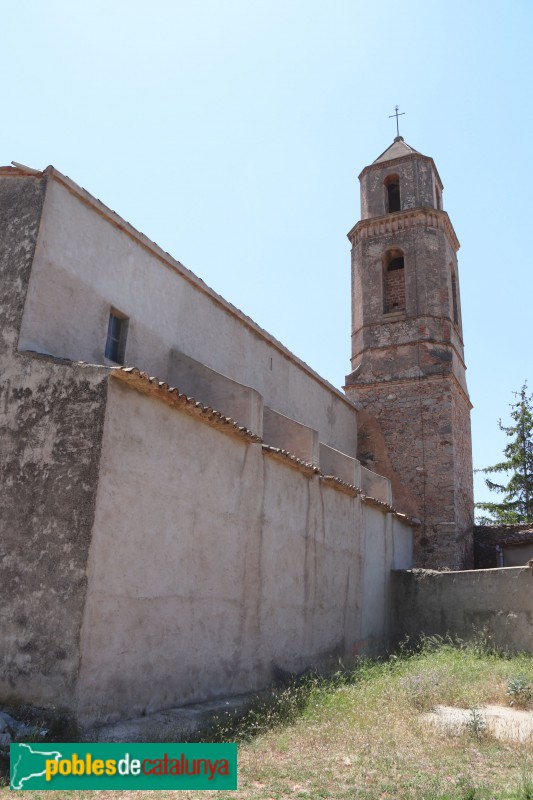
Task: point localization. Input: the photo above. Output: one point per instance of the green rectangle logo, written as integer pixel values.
(123, 766)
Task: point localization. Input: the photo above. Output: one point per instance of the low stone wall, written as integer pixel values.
(498, 601)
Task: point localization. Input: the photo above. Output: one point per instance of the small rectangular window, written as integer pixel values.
(117, 331)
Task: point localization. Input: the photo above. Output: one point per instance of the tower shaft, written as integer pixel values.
(408, 370)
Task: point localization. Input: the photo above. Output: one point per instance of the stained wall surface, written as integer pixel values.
(417, 419)
(233, 563)
(50, 433)
(497, 603)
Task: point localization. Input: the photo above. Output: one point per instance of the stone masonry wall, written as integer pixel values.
(416, 419)
(463, 475)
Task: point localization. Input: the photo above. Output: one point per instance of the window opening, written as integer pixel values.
(392, 186)
(455, 306)
(394, 282)
(438, 198)
(117, 331)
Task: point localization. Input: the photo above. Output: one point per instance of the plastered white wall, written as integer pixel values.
(231, 563)
(86, 262)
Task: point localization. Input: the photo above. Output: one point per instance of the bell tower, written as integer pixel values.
(408, 370)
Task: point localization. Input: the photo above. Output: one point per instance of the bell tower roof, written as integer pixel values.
(402, 172)
(396, 150)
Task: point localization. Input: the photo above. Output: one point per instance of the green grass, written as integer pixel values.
(359, 734)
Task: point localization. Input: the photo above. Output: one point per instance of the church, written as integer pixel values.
(188, 506)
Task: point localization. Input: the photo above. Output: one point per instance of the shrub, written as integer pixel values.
(519, 692)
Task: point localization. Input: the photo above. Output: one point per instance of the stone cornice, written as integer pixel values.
(410, 381)
(386, 323)
(402, 221)
(397, 346)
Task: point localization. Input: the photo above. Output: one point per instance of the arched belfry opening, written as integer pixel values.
(392, 197)
(393, 281)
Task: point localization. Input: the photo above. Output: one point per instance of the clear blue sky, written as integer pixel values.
(232, 132)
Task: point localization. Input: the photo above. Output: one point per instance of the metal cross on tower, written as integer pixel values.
(397, 115)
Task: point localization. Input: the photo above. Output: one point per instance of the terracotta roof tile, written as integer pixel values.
(521, 537)
(136, 377)
(142, 381)
(397, 149)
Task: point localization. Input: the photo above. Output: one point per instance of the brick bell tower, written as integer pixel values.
(408, 370)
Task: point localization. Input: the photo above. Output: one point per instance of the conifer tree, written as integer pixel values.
(517, 503)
